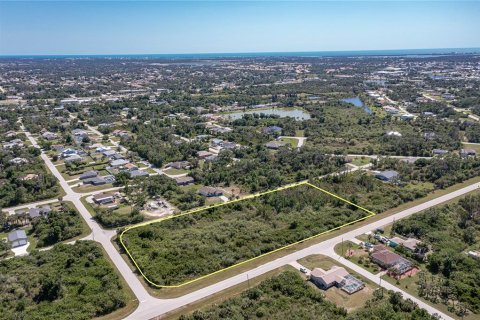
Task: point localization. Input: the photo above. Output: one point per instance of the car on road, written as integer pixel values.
(303, 270)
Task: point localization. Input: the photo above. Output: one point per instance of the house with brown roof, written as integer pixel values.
(185, 180)
(203, 154)
(389, 260)
(104, 198)
(210, 191)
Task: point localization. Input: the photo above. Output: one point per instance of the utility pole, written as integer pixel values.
(381, 288)
(342, 247)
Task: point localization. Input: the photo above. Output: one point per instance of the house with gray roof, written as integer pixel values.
(388, 175)
(88, 174)
(17, 238)
(275, 145)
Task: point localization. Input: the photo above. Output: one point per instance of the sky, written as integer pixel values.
(156, 27)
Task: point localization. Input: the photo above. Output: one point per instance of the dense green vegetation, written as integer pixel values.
(14, 189)
(57, 226)
(112, 218)
(183, 248)
(288, 296)
(67, 282)
(341, 128)
(157, 142)
(450, 231)
(442, 172)
(368, 192)
(260, 169)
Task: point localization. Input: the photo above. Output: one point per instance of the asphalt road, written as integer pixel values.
(159, 307)
(98, 234)
(150, 307)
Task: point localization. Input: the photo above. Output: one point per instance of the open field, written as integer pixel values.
(182, 249)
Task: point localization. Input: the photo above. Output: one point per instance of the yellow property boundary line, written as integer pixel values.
(252, 196)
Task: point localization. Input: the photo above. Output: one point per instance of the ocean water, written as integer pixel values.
(400, 52)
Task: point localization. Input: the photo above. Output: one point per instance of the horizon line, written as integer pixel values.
(474, 50)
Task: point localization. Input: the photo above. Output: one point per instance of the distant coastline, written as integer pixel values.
(305, 54)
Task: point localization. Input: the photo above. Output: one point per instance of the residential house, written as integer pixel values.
(211, 158)
(439, 151)
(38, 212)
(104, 198)
(388, 175)
(118, 163)
(79, 133)
(185, 180)
(18, 161)
(393, 134)
(88, 174)
(210, 191)
(338, 277)
(68, 152)
(130, 167)
(407, 116)
(95, 181)
(109, 153)
(272, 130)
(30, 176)
(203, 154)
(179, 165)
(138, 173)
(17, 238)
(467, 152)
(474, 254)
(410, 243)
(10, 134)
(429, 135)
(12, 144)
(73, 158)
(390, 260)
(49, 136)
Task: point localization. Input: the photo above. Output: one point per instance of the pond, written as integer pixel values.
(296, 113)
(357, 102)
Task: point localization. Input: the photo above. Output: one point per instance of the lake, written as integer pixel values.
(357, 102)
(298, 114)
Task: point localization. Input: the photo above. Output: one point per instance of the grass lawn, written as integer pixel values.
(292, 141)
(173, 171)
(359, 255)
(150, 171)
(475, 147)
(88, 205)
(90, 188)
(299, 133)
(194, 187)
(361, 161)
(123, 210)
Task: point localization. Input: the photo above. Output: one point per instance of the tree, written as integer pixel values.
(4, 247)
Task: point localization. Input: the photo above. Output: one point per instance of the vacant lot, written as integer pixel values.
(72, 282)
(181, 249)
